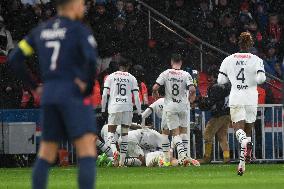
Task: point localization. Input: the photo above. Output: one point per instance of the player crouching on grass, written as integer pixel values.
(244, 70)
(179, 92)
(120, 86)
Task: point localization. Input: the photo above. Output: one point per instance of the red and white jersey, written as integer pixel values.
(120, 85)
(241, 69)
(176, 84)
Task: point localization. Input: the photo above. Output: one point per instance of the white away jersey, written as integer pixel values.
(121, 85)
(157, 107)
(176, 84)
(241, 69)
(147, 139)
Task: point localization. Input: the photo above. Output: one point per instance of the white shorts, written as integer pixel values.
(176, 119)
(134, 150)
(164, 125)
(246, 113)
(120, 118)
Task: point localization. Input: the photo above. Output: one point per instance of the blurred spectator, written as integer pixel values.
(119, 36)
(6, 41)
(119, 9)
(231, 44)
(256, 34)
(180, 14)
(274, 29)
(261, 16)
(271, 63)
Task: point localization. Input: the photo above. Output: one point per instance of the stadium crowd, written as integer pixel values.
(121, 28)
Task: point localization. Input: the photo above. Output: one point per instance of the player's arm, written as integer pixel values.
(17, 58)
(191, 89)
(260, 77)
(135, 92)
(88, 46)
(159, 82)
(223, 75)
(105, 93)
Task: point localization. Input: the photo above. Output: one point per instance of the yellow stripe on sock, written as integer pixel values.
(26, 48)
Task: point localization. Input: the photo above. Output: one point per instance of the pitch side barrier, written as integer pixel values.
(267, 135)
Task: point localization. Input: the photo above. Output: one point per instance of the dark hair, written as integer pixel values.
(124, 62)
(213, 71)
(245, 41)
(176, 57)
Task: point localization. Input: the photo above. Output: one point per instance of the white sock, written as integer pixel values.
(129, 161)
(241, 137)
(111, 142)
(166, 147)
(123, 148)
(185, 143)
(104, 148)
(180, 148)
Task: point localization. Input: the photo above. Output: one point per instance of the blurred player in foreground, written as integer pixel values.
(179, 92)
(244, 70)
(120, 86)
(216, 102)
(67, 54)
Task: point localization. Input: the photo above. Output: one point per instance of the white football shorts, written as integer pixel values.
(176, 119)
(245, 112)
(120, 118)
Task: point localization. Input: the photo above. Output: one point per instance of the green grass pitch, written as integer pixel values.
(266, 176)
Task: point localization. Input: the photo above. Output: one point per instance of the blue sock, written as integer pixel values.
(87, 172)
(40, 174)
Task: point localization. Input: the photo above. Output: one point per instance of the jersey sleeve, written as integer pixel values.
(161, 79)
(88, 48)
(223, 73)
(189, 80)
(260, 72)
(27, 45)
(17, 57)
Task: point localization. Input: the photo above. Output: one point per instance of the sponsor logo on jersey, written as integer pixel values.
(121, 100)
(175, 80)
(121, 80)
(241, 87)
(121, 73)
(176, 100)
(175, 72)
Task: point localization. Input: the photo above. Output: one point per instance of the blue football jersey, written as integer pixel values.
(66, 50)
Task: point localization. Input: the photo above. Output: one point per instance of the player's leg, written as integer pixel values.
(173, 123)
(86, 152)
(165, 138)
(104, 148)
(80, 126)
(183, 117)
(222, 134)
(238, 117)
(135, 155)
(52, 131)
(46, 157)
(114, 119)
(166, 144)
(125, 124)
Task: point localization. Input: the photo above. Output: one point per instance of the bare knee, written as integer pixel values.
(86, 145)
(239, 125)
(48, 151)
(124, 130)
(175, 132)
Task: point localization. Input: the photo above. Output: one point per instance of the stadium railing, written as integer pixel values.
(175, 28)
(267, 135)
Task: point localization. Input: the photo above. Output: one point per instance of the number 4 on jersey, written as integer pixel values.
(241, 75)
